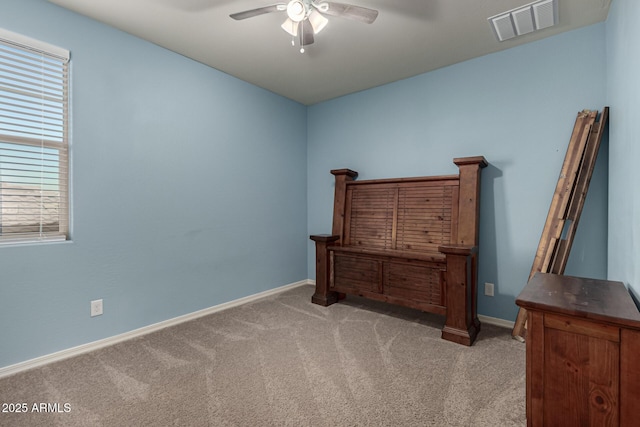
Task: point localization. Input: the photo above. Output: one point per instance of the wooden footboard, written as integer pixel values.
(406, 241)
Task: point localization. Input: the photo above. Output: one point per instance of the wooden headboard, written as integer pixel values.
(403, 215)
(397, 240)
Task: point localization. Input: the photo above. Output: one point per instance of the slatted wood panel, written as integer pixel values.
(424, 218)
(406, 216)
(370, 217)
(352, 272)
(420, 283)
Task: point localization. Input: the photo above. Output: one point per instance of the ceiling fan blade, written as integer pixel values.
(306, 33)
(357, 13)
(280, 7)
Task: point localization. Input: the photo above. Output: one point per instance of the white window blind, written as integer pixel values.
(34, 146)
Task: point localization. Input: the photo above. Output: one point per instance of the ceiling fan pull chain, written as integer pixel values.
(293, 31)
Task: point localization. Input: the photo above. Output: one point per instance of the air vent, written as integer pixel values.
(545, 13)
(504, 27)
(525, 19)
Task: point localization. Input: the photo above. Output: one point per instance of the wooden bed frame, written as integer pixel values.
(406, 241)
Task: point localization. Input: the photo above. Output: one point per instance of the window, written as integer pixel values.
(34, 153)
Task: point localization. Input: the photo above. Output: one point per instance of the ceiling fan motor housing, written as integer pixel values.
(296, 10)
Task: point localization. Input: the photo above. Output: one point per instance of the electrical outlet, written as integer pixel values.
(96, 308)
(488, 289)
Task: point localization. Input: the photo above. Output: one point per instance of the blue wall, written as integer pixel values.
(192, 188)
(623, 94)
(189, 190)
(515, 107)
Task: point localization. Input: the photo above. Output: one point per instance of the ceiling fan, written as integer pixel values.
(306, 17)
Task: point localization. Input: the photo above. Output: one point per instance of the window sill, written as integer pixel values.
(26, 241)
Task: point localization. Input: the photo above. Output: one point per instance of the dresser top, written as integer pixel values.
(600, 300)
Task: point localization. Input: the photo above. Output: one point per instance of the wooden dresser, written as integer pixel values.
(583, 352)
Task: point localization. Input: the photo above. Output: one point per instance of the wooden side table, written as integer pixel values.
(583, 352)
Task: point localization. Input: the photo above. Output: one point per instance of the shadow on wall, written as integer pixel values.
(587, 257)
(502, 303)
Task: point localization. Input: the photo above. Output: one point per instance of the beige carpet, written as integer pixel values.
(282, 361)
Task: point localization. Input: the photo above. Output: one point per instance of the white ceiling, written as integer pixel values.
(410, 37)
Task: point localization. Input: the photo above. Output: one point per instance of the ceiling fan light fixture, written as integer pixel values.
(290, 27)
(305, 18)
(318, 22)
(296, 10)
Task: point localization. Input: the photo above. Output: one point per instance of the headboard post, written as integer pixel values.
(342, 177)
(469, 199)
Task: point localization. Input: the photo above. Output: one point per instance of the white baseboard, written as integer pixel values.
(85, 348)
(496, 321)
(95, 345)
